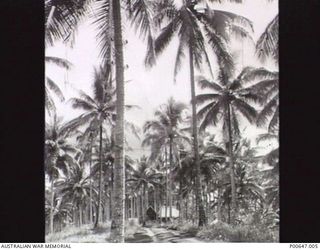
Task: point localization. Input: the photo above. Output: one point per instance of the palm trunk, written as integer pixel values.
(232, 177)
(199, 204)
(117, 230)
(80, 215)
(132, 206)
(186, 205)
(100, 180)
(170, 178)
(52, 207)
(219, 205)
(180, 202)
(90, 203)
(138, 206)
(155, 199)
(166, 194)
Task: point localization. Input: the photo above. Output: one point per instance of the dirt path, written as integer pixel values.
(161, 235)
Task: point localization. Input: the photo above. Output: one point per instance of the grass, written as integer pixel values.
(84, 234)
(241, 233)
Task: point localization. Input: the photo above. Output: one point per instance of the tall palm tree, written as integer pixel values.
(164, 131)
(230, 99)
(195, 30)
(108, 20)
(59, 154)
(98, 109)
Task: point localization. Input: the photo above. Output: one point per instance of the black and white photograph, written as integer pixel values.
(161, 121)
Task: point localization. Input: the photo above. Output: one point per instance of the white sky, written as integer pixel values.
(148, 88)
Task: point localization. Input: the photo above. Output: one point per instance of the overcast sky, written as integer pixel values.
(149, 88)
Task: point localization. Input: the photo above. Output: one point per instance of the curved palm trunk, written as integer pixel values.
(117, 229)
(100, 180)
(170, 178)
(52, 206)
(232, 177)
(199, 204)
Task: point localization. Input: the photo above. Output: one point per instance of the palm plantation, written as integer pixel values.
(189, 168)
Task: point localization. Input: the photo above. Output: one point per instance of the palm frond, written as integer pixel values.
(65, 16)
(245, 109)
(203, 98)
(219, 46)
(179, 57)
(58, 61)
(78, 103)
(102, 20)
(54, 87)
(273, 125)
(211, 116)
(267, 111)
(141, 18)
(167, 33)
(203, 83)
(267, 44)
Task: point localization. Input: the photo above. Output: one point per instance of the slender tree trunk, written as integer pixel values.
(90, 203)
(155, 199)
(170, 178)
(52, 206)
(143, 201)
(201, 213)
(117, 230)
(138, 206)
(166, 167)
(132, 206)
(100, 180)
(111, 190)
(219, 205)
(80, 215)
(180, 202)
(232, 177)
(186, 204)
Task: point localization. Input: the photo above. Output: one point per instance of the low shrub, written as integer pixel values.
(188, 229)
(240, 233)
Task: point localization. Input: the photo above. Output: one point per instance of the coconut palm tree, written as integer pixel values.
(59, 154)
(163, 132)
(98, 109)
(142, 178)
(75, 188)
(195, 30)
(108, 20)
(230, 99)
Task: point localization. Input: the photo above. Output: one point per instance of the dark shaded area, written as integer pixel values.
(299, 121)
(22, 121)
(152, 215)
